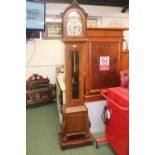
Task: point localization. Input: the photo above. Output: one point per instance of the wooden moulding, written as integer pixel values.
(95, 97)
(70, 40)
(36, 79)
(75, 109)
(75, 141)
(108, 28)
(105, 32)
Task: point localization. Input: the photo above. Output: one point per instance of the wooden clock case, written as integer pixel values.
(75, 123)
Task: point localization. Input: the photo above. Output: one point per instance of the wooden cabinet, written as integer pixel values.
(102, 42)
(39, 90)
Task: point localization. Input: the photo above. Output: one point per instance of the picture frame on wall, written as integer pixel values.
(92, 22)
(53, 30)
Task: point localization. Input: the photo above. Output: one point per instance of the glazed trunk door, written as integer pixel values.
(75, 74)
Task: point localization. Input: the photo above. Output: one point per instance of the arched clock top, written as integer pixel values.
(74, 21)
(75, 6)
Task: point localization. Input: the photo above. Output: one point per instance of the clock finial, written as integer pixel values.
(75, 2)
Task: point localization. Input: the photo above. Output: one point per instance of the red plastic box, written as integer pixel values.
(117, 128)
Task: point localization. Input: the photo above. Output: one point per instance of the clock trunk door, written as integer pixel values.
(75, 74)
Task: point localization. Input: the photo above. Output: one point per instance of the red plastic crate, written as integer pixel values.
(120, 96)
(117, 128)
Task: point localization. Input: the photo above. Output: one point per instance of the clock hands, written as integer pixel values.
(74, 27)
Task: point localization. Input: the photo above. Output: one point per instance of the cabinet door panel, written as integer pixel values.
(97, 79)
(100, 79)
(76, 123)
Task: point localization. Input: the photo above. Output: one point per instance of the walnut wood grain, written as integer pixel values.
(75, 124)
(102, 42)
(125, 60)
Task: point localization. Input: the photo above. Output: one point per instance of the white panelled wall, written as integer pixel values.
(95, 110)
(42, 56)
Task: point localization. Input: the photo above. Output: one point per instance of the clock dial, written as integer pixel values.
(74, 24)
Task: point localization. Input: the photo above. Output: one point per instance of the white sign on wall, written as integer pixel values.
(115, 22)
(104, 63)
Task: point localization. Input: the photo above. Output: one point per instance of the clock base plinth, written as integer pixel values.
(75, 141)
(75, 127)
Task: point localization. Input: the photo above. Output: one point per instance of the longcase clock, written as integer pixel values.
(75, 123)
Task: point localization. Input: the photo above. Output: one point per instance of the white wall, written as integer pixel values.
(95, 110)
(42, 56)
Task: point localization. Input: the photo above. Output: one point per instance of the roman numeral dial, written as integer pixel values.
(74, 24)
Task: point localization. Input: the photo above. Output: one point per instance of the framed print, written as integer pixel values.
(53, 30)
(92, 22)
